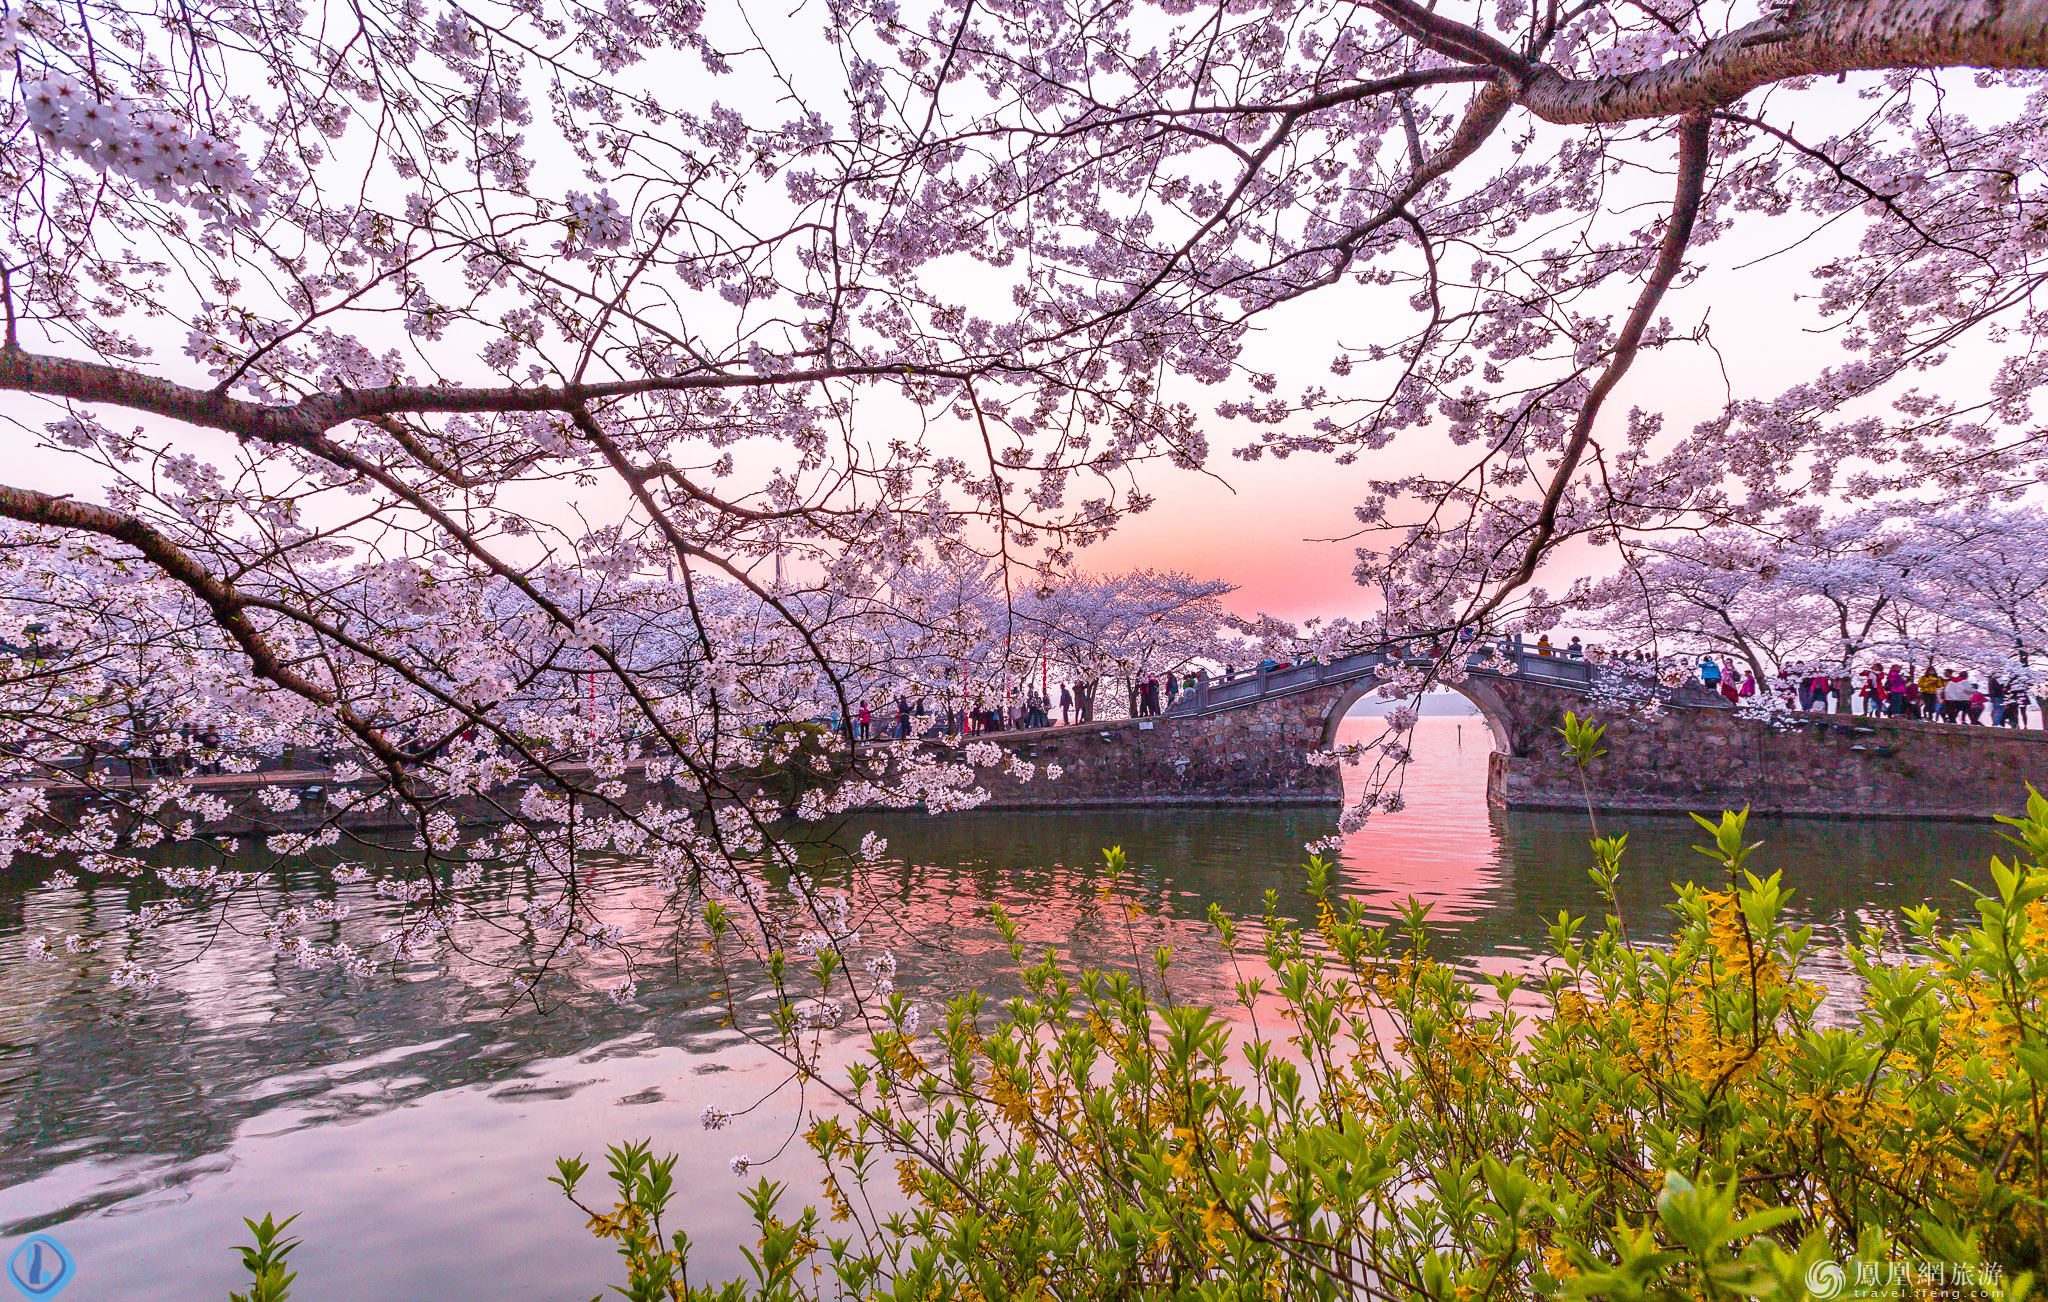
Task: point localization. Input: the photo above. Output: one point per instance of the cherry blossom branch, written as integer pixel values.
(1692, 179)
(228, 606)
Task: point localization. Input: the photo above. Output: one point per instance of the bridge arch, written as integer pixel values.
(1517, 696)
(1492, 711)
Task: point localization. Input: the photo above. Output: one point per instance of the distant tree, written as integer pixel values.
(1710, 594)
(1812, 592)
(1991, 577)
(1129, 627)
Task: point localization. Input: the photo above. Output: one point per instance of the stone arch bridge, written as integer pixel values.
(1247, 739)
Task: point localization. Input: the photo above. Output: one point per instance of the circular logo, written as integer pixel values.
(40, 1268)
(1825, 1279)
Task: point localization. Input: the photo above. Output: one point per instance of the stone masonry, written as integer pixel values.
(1705, 760)
(1255, 756)
(1698, 756)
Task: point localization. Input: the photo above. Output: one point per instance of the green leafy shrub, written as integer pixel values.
(1625, 1121)
(265, 1260)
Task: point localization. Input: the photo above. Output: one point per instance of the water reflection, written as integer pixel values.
(414, 1122)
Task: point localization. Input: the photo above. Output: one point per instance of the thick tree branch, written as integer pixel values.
(1799, 38)
(1685, 207)
(1451, 38)
(229, 607)
(295, 423)
(1804, 38)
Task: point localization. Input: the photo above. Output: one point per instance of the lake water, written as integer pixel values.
(413, 1123)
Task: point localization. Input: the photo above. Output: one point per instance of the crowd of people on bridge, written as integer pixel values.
(1936, 693)
(1945, 694)
(1933, 692)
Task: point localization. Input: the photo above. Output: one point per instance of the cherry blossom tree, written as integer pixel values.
(501, 386)
(955, 631)
(1705, 594)
(1991, 577)
(1127, 627)
(1965, 585)
(1806, 594)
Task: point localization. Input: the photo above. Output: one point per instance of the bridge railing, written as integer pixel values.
(1255, 684)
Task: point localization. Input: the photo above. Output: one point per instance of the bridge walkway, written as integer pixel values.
(1249, 687)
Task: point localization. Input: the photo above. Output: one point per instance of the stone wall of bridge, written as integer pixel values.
(1705, 760)
(1255, 756)
(1700, 756)
(1697, 756)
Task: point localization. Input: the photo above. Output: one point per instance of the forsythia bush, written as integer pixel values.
(1628, 1120)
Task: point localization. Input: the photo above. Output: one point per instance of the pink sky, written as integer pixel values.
(1267, 525)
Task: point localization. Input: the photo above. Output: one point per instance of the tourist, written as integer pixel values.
(1955, 697)
(1710, 673)
(1930, 684)
(1543, 647)
(862, 719)
(1066, 705)
(1975, 705)
(1172, 688)
(1573, 650)
(1898, 692)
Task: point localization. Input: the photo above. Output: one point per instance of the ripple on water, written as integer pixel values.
(414, 1123)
